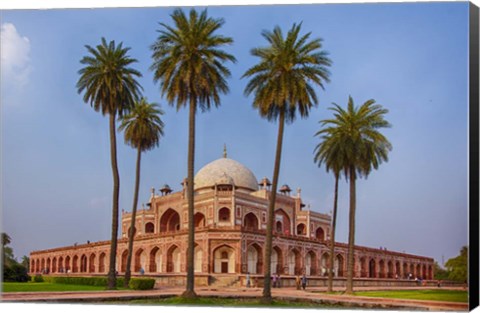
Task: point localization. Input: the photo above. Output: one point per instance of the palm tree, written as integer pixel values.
(355, 132)
(189, 64)
(329, 153)
(111, 88)
(143, 129)
(282, 84)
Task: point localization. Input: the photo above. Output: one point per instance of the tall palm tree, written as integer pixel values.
(282, 84)
(356, 132)
(143, 129)
(189, 64)
(111, 88)
(329, 153)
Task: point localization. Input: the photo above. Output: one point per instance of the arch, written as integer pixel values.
(363, 267)
(279, 227)
(43, 265)
(381, 267)
(372, 268)
(254, 259)
(155, 264)
(325, 263)
(424, 271)
(149, 228)
(101, 262)
(173, 259)
(224, 215)
(68, 267)
(75, 264)
(398, 270)
(198, 256)
(418, 271)
(390, 271)
(61, 267)
(48, 266)
(405, 270)
(301, 229)
(430, 272)
(54, 265)
(170, 221)
(339, 265)
(250, 222)
(123, 266)
(32, 265)
(276, 262)
(224, 259)
(311, 263)
(320, 234)
(294, 262)
(83, 264)
(282, 216)
(91, 263)
(140, 260)
(199, 220)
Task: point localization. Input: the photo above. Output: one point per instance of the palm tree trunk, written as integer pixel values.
(116, 188)
(267, 290)
(189, 292)
(351, 231)
(332, 237)
(131, 233)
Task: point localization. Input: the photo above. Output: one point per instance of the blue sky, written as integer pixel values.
(409, 57)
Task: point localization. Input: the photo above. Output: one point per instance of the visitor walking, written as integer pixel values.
(297, 282)
(304, 281)
(278, 281)
(248, 279)
(274, 280)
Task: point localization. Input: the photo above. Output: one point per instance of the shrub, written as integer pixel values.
(141, 283)
(38, 278)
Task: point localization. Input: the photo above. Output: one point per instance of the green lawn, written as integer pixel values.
(427, 294)
(38, 287)
(227, 302)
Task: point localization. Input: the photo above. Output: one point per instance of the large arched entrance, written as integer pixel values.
(324, 263)
(170, 221)
(254, 259)
(198, 255)
(311, 263)
(276, 261)
(224, 260)
(91, 263)
(101, 262)
(123, 265)
(173, 259)
(83, 263)
(75, 264)
(140, 260)
(372, 268)
(155, 264)
(338, 266)
(381, 267)
(294, 262)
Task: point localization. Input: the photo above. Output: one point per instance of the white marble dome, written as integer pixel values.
(222, 170)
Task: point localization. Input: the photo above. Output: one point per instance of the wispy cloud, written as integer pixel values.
(15, 56)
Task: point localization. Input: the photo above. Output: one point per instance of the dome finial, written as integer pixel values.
(225, 151)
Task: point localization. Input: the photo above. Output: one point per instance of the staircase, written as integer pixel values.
(224, 281)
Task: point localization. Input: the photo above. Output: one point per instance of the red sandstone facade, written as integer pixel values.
(230, 223)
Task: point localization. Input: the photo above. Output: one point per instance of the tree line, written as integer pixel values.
(190, 67)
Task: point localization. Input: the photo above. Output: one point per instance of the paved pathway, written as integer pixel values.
(284, 293)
